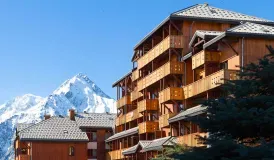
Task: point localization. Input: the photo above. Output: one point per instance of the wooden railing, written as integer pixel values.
(117, 154)
(123, 101)
(171, 93)
(173, 41)
(130, 116)
(24, 157)
(135, 75)
(209, 82)
(135, 95)
(172, 67)
(191, 139)
(204, 56)
(163, 119)
(148, 127)
(148, 104)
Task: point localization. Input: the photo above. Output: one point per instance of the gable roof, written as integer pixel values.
(247, 29)
(95, 120)
(133, 149)
(188, 113)
(158, 144)
(122, 134)
(204, 35)
(22, 126)
(207, 12)
(56, 128)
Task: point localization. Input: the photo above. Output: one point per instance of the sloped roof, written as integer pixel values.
(133, 149)
(188, 113)
(122, 134)
(21, 126)
(122, 78)
(157, 144)
(247, 29)
(205, 11)
(56, 128)
(95, 120)
(204, 34)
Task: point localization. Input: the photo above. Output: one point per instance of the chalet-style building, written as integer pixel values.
(75, 137)
(183, 60)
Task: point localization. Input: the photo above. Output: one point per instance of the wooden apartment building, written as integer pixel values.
(75, 137)
(183, 60)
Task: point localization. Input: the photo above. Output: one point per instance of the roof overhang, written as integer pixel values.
(53, 140)
(123, 134)
(118, 81)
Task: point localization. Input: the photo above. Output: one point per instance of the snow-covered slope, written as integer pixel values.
(79, 93)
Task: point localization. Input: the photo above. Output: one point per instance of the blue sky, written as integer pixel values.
(43, 43)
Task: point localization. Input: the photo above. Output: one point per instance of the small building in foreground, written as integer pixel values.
(74, 137)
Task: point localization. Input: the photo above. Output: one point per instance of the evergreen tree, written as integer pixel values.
(240, 124)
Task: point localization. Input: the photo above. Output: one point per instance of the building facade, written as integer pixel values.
(77, 136)
(182, 61)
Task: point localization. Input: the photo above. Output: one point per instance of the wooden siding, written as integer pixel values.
(209, 82)
(204, 56)
(135, 75)
(123, 101)
(58, 151)
(191, 139)
(171, 67)
(148, 127)
(171, 93)
(148, 104)
(174, 41)
(163, 119)
(117, 154)
(135, 94)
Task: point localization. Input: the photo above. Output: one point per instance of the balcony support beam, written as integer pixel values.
(174, 25)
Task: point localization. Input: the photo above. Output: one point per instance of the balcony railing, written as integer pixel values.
(173, 41)
(123, 101)
(204, 56)
(135, 75)
(148, 127)
(117, 154)
(209, 82)
(135, 95)
(163, 119)
(24, 157)
(130, 116)
(191, 139)
(148, 104)
(171, 93)
(172, 67)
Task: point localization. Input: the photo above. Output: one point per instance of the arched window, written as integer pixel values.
(71, 151)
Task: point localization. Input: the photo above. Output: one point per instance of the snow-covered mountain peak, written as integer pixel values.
(80, 82)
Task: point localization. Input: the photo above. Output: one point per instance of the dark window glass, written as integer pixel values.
(71, 151)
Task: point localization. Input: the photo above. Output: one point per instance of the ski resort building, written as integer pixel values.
(182, 61)
(75, 137)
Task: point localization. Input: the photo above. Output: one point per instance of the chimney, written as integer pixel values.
(46, 116)
(72, 114)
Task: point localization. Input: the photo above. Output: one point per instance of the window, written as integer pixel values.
(23, 151)
(94, 136)
(71, 151)
(92, 153)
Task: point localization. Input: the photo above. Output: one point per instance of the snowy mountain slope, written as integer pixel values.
(79, 93)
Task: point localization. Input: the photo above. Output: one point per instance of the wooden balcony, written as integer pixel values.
(171, 93)
(163, 119)
(123, 101)
(209, 82)
(135, 95)
(173, 41)
(117, 154)
(148, 127)
(135, 75)
(191, 139)
(172, 67)
(23, 157)
(204, 56)
(148, 104)
(130, 116)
